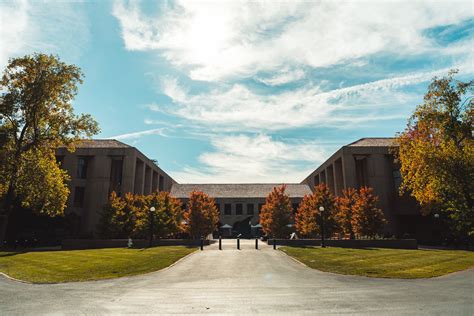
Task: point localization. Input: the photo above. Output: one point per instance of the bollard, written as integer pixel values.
(220, 243)
(238, 243)
(202, 243)
(274, 244)
(256, 243)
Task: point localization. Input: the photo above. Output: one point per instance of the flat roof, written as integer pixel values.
(238, 190)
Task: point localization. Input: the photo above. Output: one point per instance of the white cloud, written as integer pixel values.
(237, 108)
(242, 158)
(135, 135)
(217, 40)
(283, 77)
(49, 27)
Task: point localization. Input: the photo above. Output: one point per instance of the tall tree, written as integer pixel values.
(308, 217)
(436, 152)
(276, 215)
(345, 208)
(367, 219)
(201, 215)
(36, 116)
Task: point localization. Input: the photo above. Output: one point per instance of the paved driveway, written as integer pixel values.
(244, 282)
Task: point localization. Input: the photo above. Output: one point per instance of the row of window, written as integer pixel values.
(250, 208)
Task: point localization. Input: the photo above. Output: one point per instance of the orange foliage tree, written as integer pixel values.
(345, 206)
(275, 215)
(308, 217)
(201, 215)
(367, 219)
(129, 216)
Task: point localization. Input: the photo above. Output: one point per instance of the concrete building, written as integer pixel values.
(97, 168)
(369, 162)
(239, 205)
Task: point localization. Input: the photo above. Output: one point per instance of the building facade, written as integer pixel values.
(239, 205)
(370, 162)
(98, 167)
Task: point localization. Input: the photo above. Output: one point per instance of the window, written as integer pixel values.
(82, 167)
(295, 207)
(161, 183)
(260, 205)
(361, 171)
(218, 206)
(116, 176)
(227, 209)
(238, 209)
(249, 209)
(397, 179)
(79, 197)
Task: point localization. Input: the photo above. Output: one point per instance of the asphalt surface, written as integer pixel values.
(245, 282)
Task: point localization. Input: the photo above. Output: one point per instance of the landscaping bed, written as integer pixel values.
(86, 265)
(383, 263)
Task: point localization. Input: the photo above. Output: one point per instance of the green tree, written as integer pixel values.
(201, 215)
(276, 215)
(36, 116)
(308, 217)
(367, 219)
(436, 153)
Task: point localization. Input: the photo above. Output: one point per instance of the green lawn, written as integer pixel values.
(383, 263)
(84, 265)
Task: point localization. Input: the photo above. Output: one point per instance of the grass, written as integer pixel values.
(383, 263)
(85, 265)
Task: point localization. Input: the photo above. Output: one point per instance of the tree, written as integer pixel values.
(367, 219)
(36, 116)
(129, 216)
(201, 215)
(275, 215)
(436, 153)
(166, 218)
(345, 208)
(308, 217)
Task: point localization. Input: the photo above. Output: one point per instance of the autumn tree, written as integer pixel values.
(36, 116)
(275, 215)
(367, 219)
(201, 215)
(308, 218)
(436, 152)
(166, 217)
(344, 209)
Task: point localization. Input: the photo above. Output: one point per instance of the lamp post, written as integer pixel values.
(152, 210)
(321, 209)
(437, 230)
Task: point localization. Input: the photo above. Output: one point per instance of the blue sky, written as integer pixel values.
(235, 91)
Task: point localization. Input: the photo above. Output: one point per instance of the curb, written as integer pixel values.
(6, 276)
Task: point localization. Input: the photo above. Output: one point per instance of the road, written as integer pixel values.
(245, 281)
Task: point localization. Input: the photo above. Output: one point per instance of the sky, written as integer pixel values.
(246, 91)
